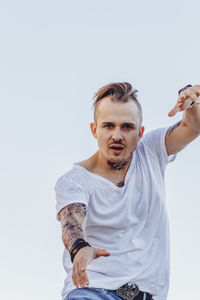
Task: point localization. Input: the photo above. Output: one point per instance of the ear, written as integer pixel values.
(93, 128)
(141, 131)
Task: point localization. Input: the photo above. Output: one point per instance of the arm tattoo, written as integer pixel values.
(171, 129)
(72, 218)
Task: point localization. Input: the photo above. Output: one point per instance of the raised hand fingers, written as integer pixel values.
(186, 98)
(192, 93)
(196, 89)
(174, 110)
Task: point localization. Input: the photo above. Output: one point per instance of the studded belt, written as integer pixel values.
(130, 292)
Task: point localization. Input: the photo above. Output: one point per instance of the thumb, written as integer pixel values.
(100, 252)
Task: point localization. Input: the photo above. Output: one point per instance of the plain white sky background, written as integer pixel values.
(54, 55)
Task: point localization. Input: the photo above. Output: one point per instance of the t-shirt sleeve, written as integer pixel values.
(68, 192)
(154, 141)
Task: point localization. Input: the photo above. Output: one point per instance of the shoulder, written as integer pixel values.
(153, 145)
(71, 188)
(153, 140)
(72, 184)
(74, 176)
(154, 135)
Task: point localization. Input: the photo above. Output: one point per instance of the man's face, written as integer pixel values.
(117, 129)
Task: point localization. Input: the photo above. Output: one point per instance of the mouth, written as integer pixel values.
(117, 149)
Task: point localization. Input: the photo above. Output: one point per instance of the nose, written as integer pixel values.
(116, 134)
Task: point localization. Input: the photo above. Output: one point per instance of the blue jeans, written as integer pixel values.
(93, 294)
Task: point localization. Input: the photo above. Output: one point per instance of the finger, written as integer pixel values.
(173, 111)
(79, 278)
(105, 253)
(190, 94)
(186, 104)
(81, 282)
(181, 99)
(100, 252)
(76, 275)
(74, 280)
(82, 272)
(84, 275)
(196, 89)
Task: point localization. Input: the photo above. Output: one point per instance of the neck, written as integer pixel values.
(111, 166)
(117, 165)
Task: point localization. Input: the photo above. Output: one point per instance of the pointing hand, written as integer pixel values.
(186, 98)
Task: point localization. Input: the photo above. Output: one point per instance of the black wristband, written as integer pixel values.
(77, 245)
(184, 88)
(73, 253)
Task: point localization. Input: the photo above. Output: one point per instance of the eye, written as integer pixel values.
(127, 126)
(109, 125)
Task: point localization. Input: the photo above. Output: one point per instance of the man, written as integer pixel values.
(112, 205)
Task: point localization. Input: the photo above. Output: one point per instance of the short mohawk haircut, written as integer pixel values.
(118, 92)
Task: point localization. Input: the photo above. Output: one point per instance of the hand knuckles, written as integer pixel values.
(197, 92)
(188, 92)
(193, 93)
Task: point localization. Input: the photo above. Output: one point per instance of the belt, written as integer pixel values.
(130, 292)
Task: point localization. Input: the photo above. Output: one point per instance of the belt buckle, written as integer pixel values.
(127, 292)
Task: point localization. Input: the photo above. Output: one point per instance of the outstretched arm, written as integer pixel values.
(185, 131)
(73, 218)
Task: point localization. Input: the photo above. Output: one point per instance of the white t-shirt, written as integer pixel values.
(130, 222)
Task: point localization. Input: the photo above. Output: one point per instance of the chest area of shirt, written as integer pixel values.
(117, 180)
(139, 192)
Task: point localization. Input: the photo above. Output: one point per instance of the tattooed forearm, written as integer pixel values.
(72, 219)
(171, 129)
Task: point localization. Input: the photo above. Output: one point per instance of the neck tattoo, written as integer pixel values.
(117, 165)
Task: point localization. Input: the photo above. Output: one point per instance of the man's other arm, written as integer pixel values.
(185, 131)
(73, 218)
